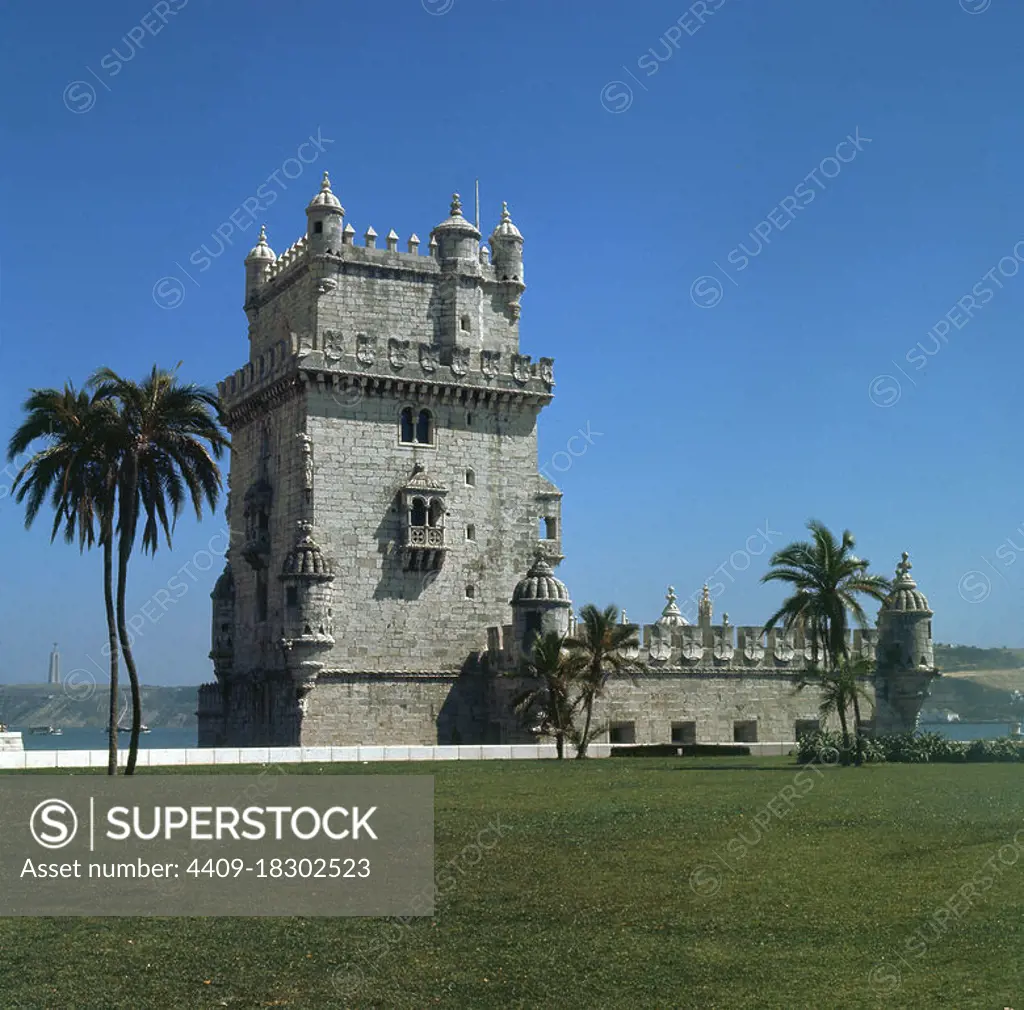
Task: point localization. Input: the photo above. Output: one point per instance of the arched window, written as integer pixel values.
(406, 433)
(436, 511)
(470, 478)
(425, 428)
(419, 512)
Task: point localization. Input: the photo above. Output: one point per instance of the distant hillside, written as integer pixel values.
(977, 683)
(24, 705)
(963, 658)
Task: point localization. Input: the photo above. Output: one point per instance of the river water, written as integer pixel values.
(96, 739)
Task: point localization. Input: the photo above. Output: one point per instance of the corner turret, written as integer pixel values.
(540, 604)
(458, 242)
(905, 657)
(222, 650)
(258, 263)
(325, 221)
(307, 576)
(507, 260)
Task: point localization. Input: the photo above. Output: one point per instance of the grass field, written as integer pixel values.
(619, 883)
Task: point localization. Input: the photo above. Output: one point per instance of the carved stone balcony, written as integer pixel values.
(424, 548)
(423, 508)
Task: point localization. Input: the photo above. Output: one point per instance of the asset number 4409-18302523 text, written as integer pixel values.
(281, 868)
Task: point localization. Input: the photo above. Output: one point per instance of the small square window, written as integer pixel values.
(470, 478)
(807, 727)
(470, 592)
(465, 324)
(291, 596)
(622, 732)
(471, 532)
(684, 732)
(744, 731)
(318, 227)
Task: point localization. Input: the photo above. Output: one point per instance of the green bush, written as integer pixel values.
(826, 747)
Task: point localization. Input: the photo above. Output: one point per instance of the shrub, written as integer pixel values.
(826, 747)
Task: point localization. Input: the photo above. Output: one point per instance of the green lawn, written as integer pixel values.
(606, 892)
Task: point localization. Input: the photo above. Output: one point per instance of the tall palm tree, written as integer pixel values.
(828, 578)
(71, 468)
(549, 698)
(600, 642)
(842, 687)
(168, 436)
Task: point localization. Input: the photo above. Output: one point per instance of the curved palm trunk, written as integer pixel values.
(126, 540)
(108, 598)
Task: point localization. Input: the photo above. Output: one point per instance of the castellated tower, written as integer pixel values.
(905, 657)
(385, 499)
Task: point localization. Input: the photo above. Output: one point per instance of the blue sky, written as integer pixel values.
(770, 246)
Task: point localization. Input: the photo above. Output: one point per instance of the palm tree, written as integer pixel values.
(71, 468)
(168, 435)
(600, 643)
(828, 578)
(548, 699)
(841, 687)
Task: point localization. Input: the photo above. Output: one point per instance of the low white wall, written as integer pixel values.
(153, 758)
(10, 742)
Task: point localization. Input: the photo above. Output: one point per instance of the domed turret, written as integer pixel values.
(325, 220)
(259, 261)
(905, 597)
(507, 259)
(305, 560)
(905, 657)
(540, 604)
(456, 238)
(671, 616)
(306, 577)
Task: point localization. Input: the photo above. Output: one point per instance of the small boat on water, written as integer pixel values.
(126, 729)
(46, 731)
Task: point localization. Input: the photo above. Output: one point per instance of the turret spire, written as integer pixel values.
(671, 615)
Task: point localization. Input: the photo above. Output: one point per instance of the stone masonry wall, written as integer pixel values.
(388, 619)
(397, 709)
(715, 703)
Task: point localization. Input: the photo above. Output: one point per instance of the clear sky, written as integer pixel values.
(771, 247)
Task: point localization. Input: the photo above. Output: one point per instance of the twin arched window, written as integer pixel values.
(423, 514)
(416, 429)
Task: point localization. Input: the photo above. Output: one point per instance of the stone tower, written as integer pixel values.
(385, 494)
(905, 658)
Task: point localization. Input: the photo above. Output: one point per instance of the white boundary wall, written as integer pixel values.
(157, 758)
